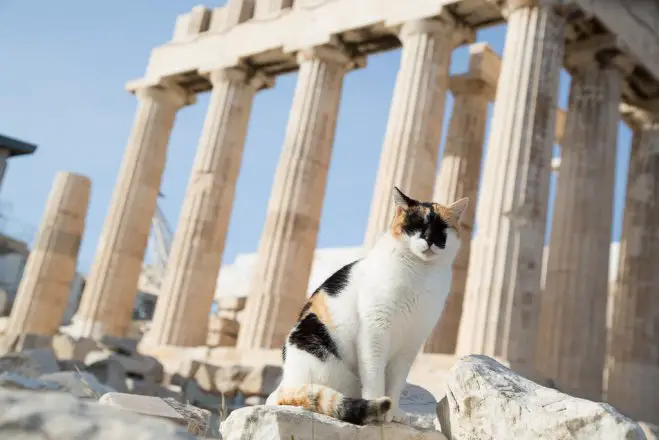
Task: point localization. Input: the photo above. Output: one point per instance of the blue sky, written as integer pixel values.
(62, 86)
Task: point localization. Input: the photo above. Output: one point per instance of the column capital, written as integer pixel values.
(606, 50)
(467, 84)
(165, 93)
(444, 23)
(334, 53)
(509, 6)
(257, 79)
(639, 118)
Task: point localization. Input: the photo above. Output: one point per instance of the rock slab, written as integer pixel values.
(285, 423)
(26, 415)
(485, 400)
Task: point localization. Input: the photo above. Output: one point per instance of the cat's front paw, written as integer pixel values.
(397, 415)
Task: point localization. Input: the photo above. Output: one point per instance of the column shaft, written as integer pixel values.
(633, 375)
(503, 282)
(572, 332)
(414, 129)
(46, 283)
(281, 274)
(458, 177)
(107, 301)
(188, 287)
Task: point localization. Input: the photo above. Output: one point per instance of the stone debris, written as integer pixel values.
(196, 420)
(26, 415)
(81, 384)
(486, 400)
(285, 422)
(30, 363)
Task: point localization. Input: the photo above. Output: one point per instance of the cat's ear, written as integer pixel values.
(459, 207)
(402, 200)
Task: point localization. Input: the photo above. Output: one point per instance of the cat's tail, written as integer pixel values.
(324, 400)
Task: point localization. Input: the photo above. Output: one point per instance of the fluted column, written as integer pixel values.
(633, 357)
(503, 280)
(288, 241)
(411, 145)
(458, 176)
(186, 295)
(46, 284)
(571, 343)
(107, 301)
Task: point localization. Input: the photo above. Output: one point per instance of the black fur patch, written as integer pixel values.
(353, 411)
(283, 353)
(433, 229)
(311, 335)
(338, 280)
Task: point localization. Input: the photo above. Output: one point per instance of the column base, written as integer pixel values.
(632, 390)
(83, 328)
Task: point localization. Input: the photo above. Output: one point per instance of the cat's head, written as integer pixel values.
(429, 230)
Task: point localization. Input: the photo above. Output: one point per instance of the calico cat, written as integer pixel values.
(349, 354)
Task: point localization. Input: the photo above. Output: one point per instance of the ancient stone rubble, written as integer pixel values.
(552, 318)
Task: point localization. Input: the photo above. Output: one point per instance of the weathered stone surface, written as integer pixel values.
(136, 365)
(80, 384)
(30, 363)
(199, 421)
(485, 400)
(28, 415)
(196, 420)
(125, 346)
(283, 422)
(109, 372)
(67, 347)
(420, 405)
(229, 379)
(147, 405)
(9, 379)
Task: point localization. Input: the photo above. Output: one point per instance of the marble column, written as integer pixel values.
(411, 145)
(633, 357)
(107, 301)
(571, 343)
(458, 177)
(279, 284)
(46, 283)
(188, 287)
(503, 280)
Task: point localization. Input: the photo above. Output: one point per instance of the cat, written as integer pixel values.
(349, 354)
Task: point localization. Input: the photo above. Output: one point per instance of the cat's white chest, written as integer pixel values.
(404, 301)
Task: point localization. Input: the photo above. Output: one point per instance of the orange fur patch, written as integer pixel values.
(447, 214)
(317, 304)
(399, 221)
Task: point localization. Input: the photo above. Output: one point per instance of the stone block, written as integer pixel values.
(261, 380)
(196, 420)
(197, 396)
(71, 365)
(124, 346)
(12, 380)
(146, 405)
(109, 372)
(487, 400)
(30, 363)
(59, 416)
(285, 422)
(67, 347)
(231, 303)
(144, 387)
(137, 365)
(81, 384)
(217, 339)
